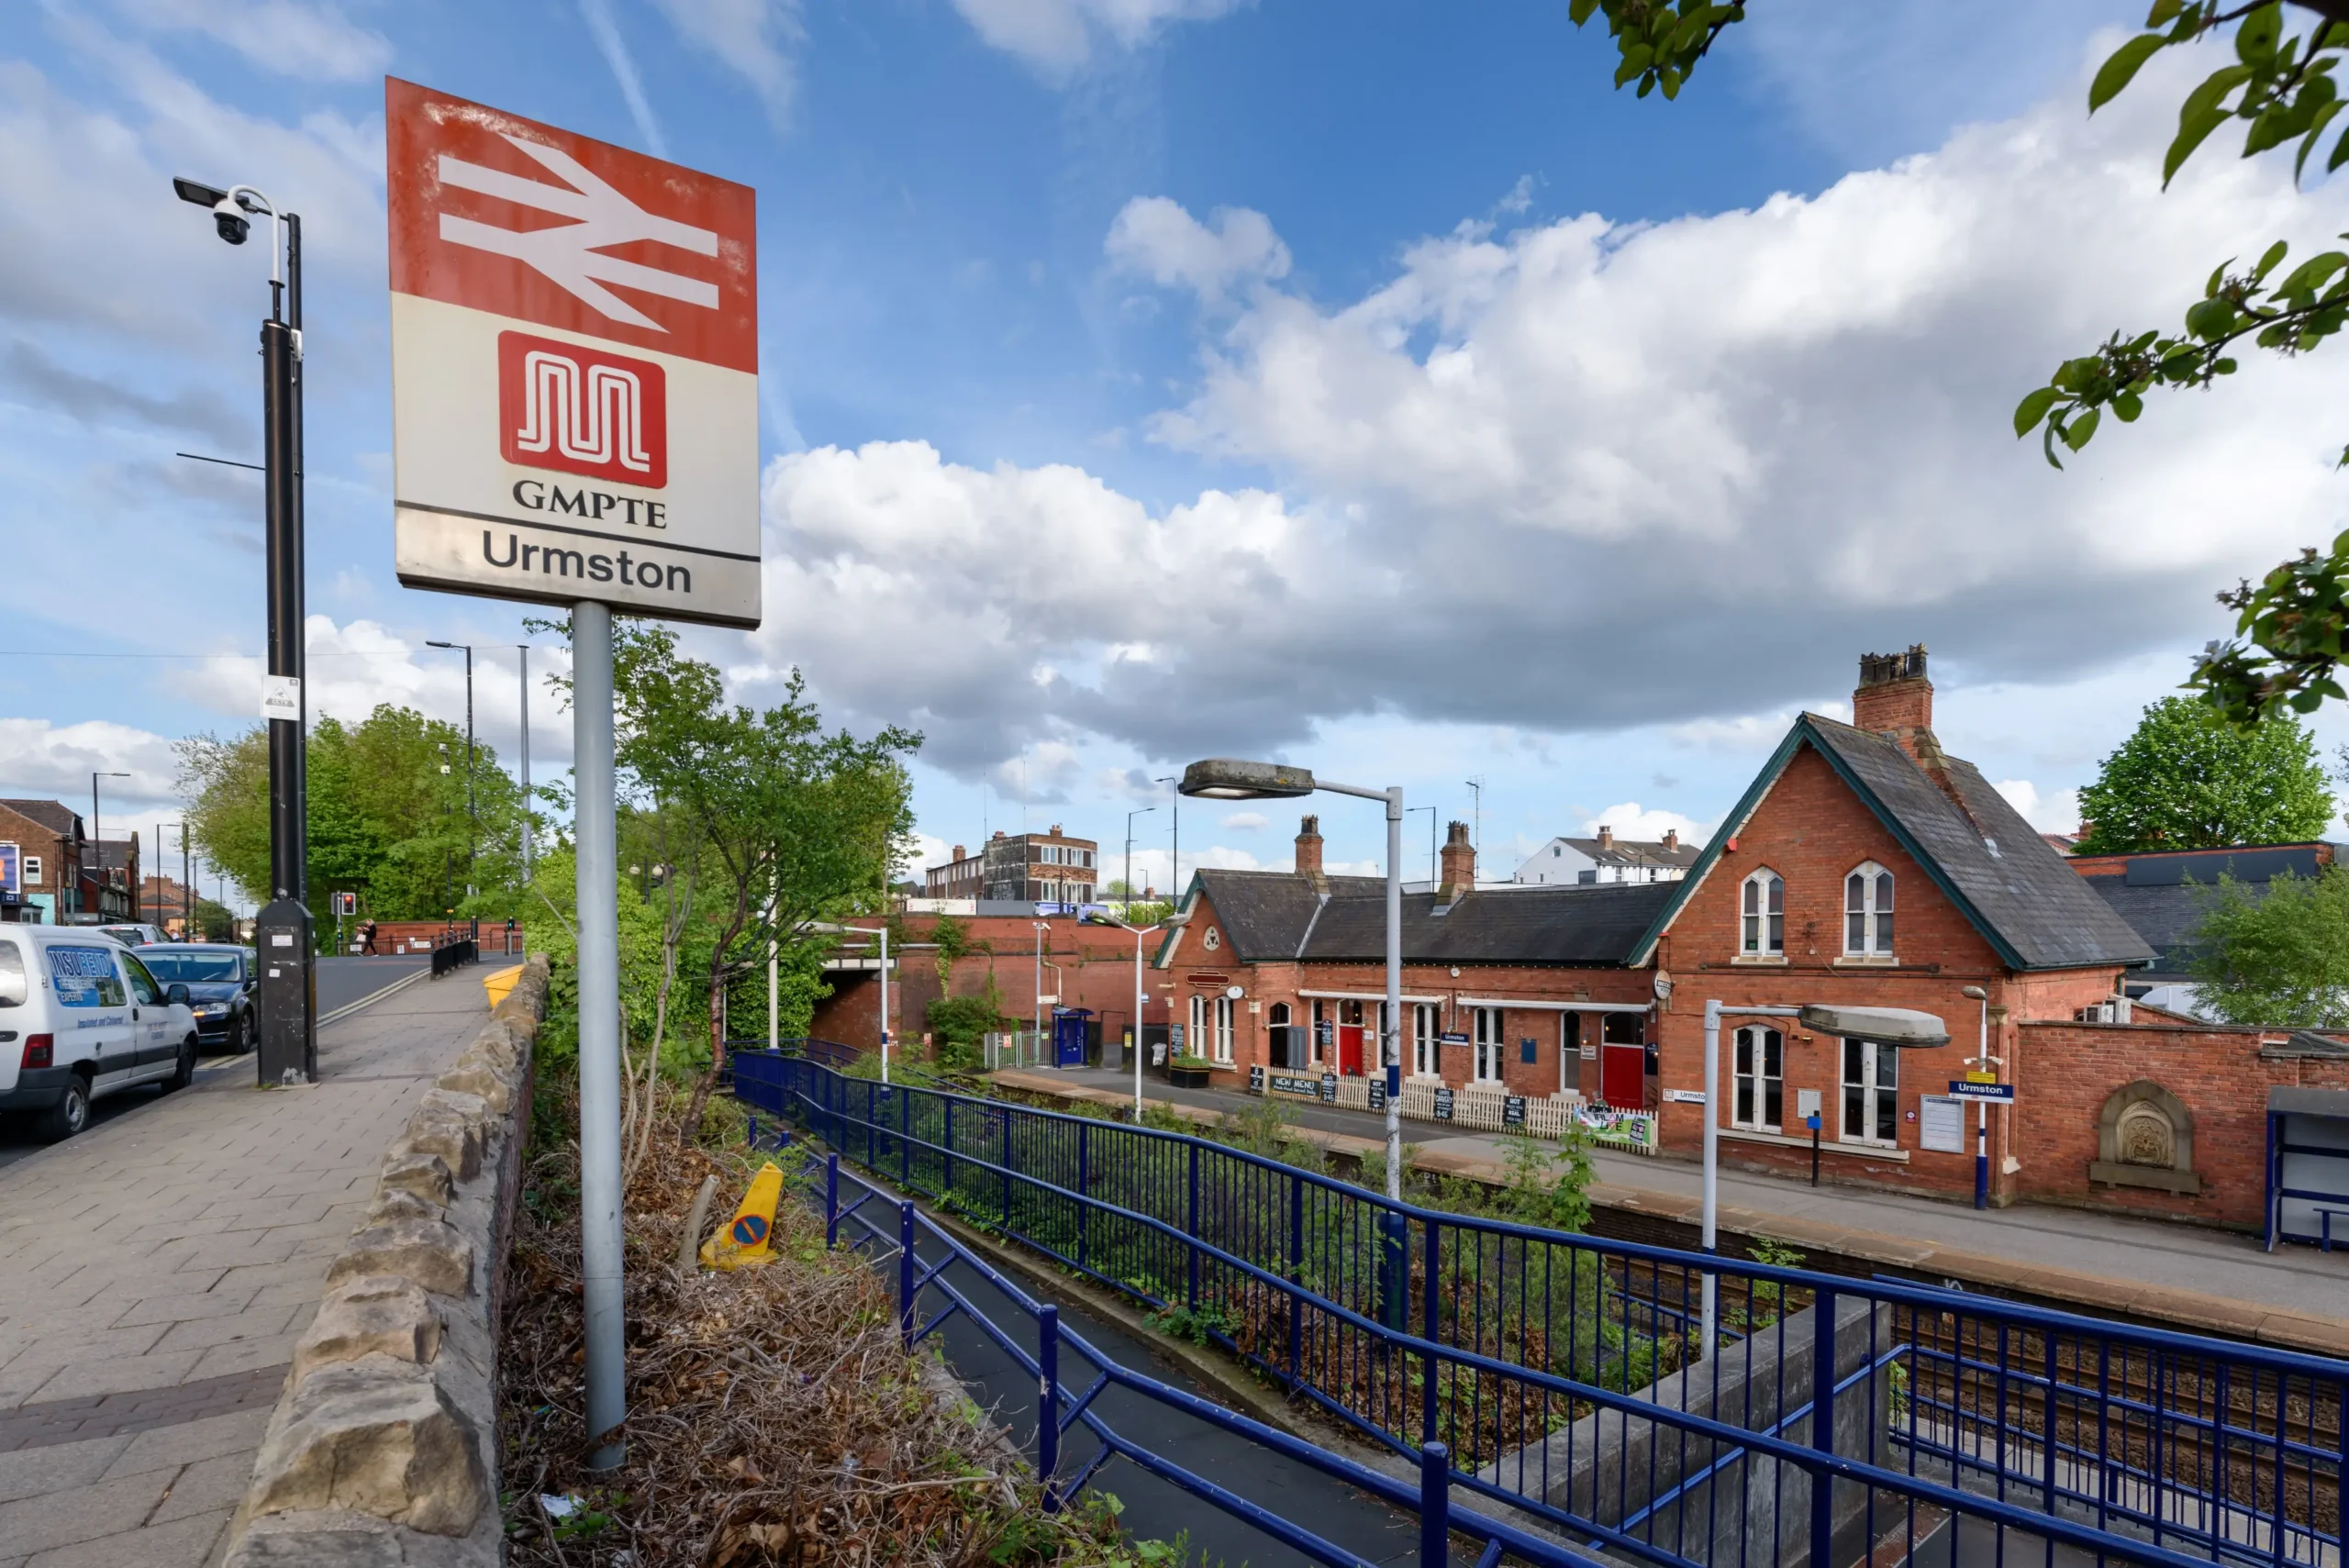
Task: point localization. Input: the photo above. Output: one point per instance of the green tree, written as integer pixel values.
(2185, 779)
(385, 821)
(2281, 962)
(2292, 628)
(785, 826)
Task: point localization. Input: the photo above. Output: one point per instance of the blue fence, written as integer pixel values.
(1558, 1377)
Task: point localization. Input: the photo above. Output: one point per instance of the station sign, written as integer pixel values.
(1965, 1089)
(574, 367)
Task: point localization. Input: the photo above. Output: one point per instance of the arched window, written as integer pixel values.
(1867, 912)
(1764, 926)
(1280, 1015)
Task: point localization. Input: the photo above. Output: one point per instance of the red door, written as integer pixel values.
(1623, 1076)
(1350, 1039)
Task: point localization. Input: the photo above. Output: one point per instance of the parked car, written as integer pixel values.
(80, 1017)
(134, 933)
(220, 979)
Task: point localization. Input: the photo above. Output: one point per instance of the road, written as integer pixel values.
(341, 981)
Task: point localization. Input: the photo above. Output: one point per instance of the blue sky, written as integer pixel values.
(1363, 382)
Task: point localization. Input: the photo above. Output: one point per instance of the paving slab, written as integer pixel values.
(170, 1258)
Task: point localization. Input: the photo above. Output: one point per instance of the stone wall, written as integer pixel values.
(383, 1447)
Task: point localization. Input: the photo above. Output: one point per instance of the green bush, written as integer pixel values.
(958, 1024)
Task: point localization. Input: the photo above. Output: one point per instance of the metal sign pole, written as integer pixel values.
(599, 1037)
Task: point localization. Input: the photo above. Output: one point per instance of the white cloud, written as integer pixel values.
(1155, 237)
(1246, 821)
(1058, 38)
(39, 758)
(292, 39)
(754, 39)
(2057, 812)
(1646, 824)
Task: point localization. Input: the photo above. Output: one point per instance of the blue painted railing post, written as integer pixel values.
(906, 1137)
(1296, 1280)
(831, 1201)
(1823, 1423)
(949, 1141)
(1007, 1170)
(755, 1129)
(1084, 1207)
(1430, 1320)
(1048, 1402)
(1191, 1226)
(1435, 1505)
(906, 1272)
(1394, 1270)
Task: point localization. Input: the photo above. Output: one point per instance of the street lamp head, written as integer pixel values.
(1901, 1029)
(1229, 778)
(429, 642)
(1974, 994)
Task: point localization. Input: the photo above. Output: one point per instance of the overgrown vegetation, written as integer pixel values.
(958, 1025)
(2280, 960)
(774, 1419)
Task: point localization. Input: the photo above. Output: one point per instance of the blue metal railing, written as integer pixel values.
(1559, 1375)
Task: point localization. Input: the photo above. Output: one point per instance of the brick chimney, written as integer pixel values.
(1672, 838)
(1459, 862)
(958, 852)
(1895, 699)
(1606, 837)
(1309, 851)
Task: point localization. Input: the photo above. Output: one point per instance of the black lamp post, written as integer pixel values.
(287, 991)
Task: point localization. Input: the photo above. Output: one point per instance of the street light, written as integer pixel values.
(101, 848)
(1170, 923)
(1042, 926)
(1226, 778)
(473, 819)
(289, 999)
(1143, 811)
(1174, 855)
(1900, 1029)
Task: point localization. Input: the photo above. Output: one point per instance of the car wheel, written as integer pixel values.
(184, 1074)
(69, 1116)
(240, 1034)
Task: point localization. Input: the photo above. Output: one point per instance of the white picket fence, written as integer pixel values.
(1485, 1107)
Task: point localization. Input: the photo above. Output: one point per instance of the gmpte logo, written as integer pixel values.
(581, 410)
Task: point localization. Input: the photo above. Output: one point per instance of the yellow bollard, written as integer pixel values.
(743, 1244)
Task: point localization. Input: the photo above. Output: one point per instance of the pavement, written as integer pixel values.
(161, 1267)
(2199, 1278)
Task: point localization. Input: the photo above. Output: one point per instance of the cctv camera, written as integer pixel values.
(230, 222)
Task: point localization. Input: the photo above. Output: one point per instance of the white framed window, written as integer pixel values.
(1760, 1071)
(1490, 1043)
(1195, 1042)
(32, 870)
(1867, 912)
(1871, 1094)
(1223, 1010)
(1762, 927)
(1425, 1044)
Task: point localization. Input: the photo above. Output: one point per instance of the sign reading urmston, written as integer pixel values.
(574, 368)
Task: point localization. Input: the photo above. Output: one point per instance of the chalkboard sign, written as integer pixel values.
(1513, 1110)
(1443, 1104)
(1324, 1032)
(1296, 1083)
(1255, 1080)
(1378, 1094)
(1525, 1049)
(1175, 1037)
(1328, 1085)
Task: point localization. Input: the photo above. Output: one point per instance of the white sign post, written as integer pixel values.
(575, 416)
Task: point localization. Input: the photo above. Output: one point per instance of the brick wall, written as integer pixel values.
(2222, 1075)
(1812, 830)
(1094, 967)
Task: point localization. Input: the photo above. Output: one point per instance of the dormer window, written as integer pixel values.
(1764, 926)
(1867, 912)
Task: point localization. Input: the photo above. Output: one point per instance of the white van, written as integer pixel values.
(80, 1017)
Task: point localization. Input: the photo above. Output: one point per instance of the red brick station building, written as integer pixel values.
(1864, 866)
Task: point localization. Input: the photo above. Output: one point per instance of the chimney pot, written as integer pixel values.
(958, 852)
(1672, 838)
(1894, 697)
(1308, 850)
(1055, 832)
(1459, 865)
(1606, 837)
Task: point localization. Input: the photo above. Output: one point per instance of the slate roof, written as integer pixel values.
(1637, 851)
(2018, 892)
(55, 816)
(2164, 896)
(1268, 916)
